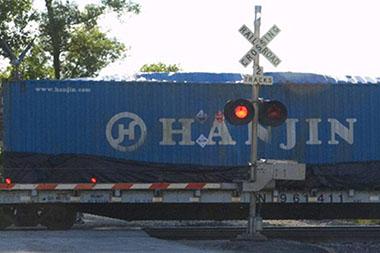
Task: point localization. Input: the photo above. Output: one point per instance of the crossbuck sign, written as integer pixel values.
(259, 46)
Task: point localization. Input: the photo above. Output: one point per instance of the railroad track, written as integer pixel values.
(290, 233)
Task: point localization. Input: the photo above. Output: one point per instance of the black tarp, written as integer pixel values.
(35, 168)
(69, 168)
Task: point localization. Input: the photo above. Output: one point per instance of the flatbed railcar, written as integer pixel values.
(159, 148)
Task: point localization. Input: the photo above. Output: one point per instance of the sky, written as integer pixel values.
(333, 37)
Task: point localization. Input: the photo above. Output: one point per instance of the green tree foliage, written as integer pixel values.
(89, 51)
(17, 18)
(37, 65)
(160, 67)
(69, 42)
(17, 24)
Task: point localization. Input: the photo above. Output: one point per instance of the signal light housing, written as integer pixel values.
(239, 112)
(272, 113)
(93, 180)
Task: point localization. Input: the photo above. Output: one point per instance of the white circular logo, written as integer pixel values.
(126, 132)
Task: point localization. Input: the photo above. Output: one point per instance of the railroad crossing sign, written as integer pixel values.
(259, 45)
(258, 79)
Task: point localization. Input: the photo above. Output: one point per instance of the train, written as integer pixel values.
(169, 128)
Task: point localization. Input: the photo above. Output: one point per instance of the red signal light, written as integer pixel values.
(239, 112)
(93, 180)
(272, 113)
(8, 180)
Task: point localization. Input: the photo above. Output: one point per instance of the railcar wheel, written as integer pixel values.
(58, 217)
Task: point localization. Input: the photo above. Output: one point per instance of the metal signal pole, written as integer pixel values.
(262, 173)
(254, 222)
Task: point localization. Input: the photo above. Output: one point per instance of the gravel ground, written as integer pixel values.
(350, 247)
(275, 246)
(88, 241)
(270, 246)
(99, 234)
(280, 246)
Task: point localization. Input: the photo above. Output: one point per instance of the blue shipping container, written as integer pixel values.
(330, 121)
